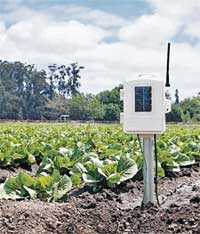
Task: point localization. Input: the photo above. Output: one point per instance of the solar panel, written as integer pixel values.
(143, 99)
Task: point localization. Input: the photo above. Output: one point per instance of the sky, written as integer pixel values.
(115, 40)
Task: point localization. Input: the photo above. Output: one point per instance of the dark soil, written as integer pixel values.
(114, 211)
(5, 173)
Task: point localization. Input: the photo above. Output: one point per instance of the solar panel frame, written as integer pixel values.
(143, 99)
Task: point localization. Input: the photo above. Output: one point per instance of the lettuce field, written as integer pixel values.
(72, 156)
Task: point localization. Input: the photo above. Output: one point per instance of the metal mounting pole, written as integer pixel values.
(148, 169)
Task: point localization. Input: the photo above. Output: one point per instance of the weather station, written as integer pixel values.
(145, 106)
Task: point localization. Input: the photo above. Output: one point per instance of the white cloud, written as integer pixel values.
(41, 37)
(72, 33)
(183, 12)
(18, 11)
(193, 29)
(85, 14)
(179, 9)
(12, 16)
(46, 35)
(149, 30)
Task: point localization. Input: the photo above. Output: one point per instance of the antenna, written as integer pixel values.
(167, 72)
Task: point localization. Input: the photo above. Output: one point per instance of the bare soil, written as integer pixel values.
(116, 211)
(9, 172)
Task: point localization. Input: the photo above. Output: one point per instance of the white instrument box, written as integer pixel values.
(145, 106)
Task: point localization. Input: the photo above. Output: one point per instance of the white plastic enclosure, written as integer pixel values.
(145, 107)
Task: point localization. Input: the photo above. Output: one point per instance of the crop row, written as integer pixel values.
(71, 156)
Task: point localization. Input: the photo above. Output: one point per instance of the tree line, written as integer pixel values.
(30, 94)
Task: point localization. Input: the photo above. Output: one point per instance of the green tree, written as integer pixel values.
(176, 114)
(85, 107)
(177, 96)
(64, 80)
(22, 91)
(112, 112)
(73, 83)
(110, 96)
(34, 99)
(192, 106)
(112, 104)
(9, 104)
(56, 107)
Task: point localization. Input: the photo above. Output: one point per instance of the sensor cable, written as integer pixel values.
(156, 162)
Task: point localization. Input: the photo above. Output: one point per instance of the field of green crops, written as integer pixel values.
(71, 156)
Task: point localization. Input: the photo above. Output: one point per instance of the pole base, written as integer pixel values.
(148, 170)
